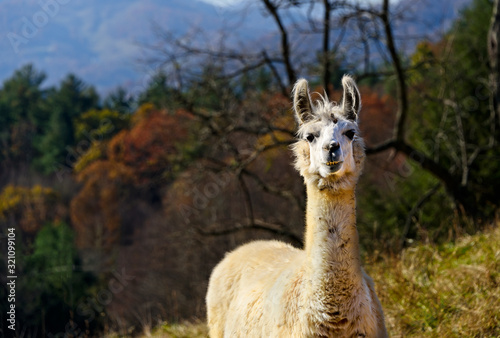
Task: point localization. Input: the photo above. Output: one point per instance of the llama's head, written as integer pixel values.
(329, 152)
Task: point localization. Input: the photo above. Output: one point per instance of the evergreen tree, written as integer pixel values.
(57, 144)
(157, 92)
(22, 114)
(120, 101)
(54, 283)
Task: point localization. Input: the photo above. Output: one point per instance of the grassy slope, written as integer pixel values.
(447, 291)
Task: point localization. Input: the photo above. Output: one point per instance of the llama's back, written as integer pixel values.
(254, 290)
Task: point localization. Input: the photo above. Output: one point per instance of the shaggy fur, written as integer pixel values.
(271, 289)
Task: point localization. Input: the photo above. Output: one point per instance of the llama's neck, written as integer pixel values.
(331, 242)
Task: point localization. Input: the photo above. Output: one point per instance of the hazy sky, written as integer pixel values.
(225, 3)
(99, 41)
(222, 2)
(102, 41)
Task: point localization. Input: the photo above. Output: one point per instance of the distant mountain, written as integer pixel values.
(101, 41)
(427, 17)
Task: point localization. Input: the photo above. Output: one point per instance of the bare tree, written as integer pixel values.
(375, 26)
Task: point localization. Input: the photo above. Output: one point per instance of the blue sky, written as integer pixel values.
(100, 41)
(103, 41)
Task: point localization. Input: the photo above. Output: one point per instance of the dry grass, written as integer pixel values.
(186, 330)
(448, 291)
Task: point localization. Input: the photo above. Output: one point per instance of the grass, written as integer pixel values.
(452, 290)
(185, 330)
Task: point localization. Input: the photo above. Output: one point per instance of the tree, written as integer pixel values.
(29, 208)
(373, 27)
(120, 101)
(54, 282)
(96, 125)
(22, 115)
(452, 133)
(141, 161)
(70, 101)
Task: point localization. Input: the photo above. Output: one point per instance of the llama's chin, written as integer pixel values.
(336, 181)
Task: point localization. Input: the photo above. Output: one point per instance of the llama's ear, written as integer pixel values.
(302, 103)
(351, 101)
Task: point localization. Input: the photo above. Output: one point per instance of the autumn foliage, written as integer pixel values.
(95, 209)
(30, 208)
(135, 159)
(150, 147)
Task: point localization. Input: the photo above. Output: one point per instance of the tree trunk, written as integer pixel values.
(494, 56)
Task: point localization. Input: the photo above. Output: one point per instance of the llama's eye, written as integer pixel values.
(350, 134)
(310, 137)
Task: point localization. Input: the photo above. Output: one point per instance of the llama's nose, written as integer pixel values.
(334, 146)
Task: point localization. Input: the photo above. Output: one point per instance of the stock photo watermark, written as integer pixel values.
(31, 25)
(11, 278)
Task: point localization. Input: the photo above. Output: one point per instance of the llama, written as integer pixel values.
(271, 289)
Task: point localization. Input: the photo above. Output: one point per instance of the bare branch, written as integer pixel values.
(258, 224)
(248, 199)
(285, 45)
(326, 44)
(414, 210)
(402, 113)
(417, 156)
(381, 147)
(275, 72)
(255, 154)
(274, 190)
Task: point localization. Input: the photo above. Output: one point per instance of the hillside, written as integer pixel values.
(102, 42)
(448, 291)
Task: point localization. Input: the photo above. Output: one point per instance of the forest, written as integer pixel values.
(122, 204)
